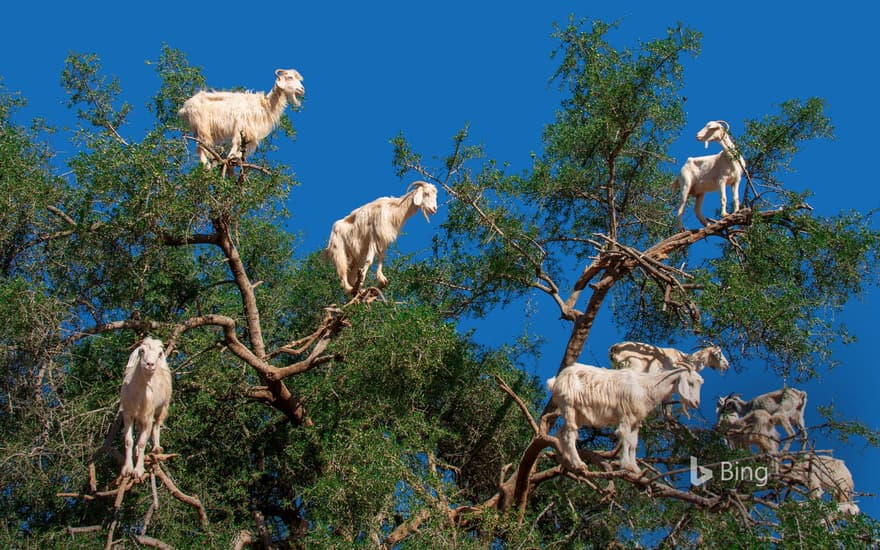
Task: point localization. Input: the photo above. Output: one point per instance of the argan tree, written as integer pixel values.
(302, 419)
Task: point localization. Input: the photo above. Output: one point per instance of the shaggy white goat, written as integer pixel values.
(597, 397)
(648, 358)
(229, 117)
(364, 235)
(786, 405)
(820, 473)
(756, 428)
(144, 399)
(700, 175)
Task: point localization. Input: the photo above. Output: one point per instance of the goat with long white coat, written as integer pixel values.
(144, 400)
(787, 407)
(230, 117)
(364, 235)
(700, 175)
(650, 358)
(600, 398)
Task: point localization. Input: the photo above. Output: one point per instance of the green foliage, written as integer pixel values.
(770, 144)
(845, 429)
(609, 141)
(27, 186)
(404, 416)
(179, 82)
(774, 293)
(93, 94)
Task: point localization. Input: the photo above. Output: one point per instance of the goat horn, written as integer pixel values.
(417, 183)
(726, 125)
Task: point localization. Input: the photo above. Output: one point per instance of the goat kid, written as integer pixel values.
(756, 428)
(786, 406)
(144, 400)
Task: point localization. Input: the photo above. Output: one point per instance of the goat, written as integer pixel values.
(820, 473)
(144, 400)
(364, 235)
(597, 397)
(648, 358)
(756, 428)
(786, 405)
(221, 117)
(699, 175)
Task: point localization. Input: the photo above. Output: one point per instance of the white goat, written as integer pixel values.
(597, 397)
(756, 428)
(700, 175)
(144, 400)
(786, 405)
(649, 358)
(221, 117)
(364, 235)
(820, 473)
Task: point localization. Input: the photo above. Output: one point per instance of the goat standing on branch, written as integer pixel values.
(144, 400)
(649, 358)
(786, 406)
(700, 175)
(820, 473)
(364, 235)
(600, 398)
(756, 428)
(236, 117)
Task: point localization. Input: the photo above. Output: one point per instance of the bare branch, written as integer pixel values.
(522, 406)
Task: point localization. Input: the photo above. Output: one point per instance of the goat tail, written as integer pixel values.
(335, 251)
(566, 383)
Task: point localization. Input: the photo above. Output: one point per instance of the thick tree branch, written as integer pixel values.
(248, 299)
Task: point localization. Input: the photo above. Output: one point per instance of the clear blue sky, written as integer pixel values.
(374, 69)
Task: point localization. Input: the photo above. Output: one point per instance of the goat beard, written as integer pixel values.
(425, 214)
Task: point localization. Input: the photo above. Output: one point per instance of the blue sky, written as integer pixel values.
(373, 70)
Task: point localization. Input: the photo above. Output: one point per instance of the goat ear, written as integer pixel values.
(684, 392)
(689, 391)
(134, 357)
(417, 198)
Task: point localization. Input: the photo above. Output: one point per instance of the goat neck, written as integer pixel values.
(276, 100)
(406, 210)
(732, 151)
